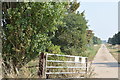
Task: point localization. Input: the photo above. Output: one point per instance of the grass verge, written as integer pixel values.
(114, 50)
(91, 52)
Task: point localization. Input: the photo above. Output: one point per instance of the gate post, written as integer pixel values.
(42, 65)
(86, 64)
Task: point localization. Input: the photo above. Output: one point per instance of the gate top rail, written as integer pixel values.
(62, 61)
(65, 55)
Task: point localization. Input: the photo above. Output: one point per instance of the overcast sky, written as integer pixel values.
(102, 17)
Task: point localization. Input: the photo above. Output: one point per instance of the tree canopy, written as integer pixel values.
(72, 35)
(115, 39)
(28, 29)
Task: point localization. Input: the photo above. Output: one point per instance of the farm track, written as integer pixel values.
(105, 65)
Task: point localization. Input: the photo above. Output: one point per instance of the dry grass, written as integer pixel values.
(115, 51)
(91, 52)
(23, 72)
(90, 72)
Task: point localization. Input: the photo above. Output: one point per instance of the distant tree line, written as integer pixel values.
(115, 39)
(96, 40)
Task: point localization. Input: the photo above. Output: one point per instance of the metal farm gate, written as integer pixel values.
(78, 63)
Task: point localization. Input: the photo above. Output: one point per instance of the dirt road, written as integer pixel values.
(105, 65)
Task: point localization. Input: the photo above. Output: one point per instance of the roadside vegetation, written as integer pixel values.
(91, 51)
(114, 50)
(114, 46)
(30, 28)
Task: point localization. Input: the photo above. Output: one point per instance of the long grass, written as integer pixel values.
(115, 51)
(92, 51)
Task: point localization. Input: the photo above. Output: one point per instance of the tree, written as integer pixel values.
(96, 40)
(72, 35)
(89, 36)
(115, 39)
(28, 29)
(73, 7)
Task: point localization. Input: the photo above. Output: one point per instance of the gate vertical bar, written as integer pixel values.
(86, 64)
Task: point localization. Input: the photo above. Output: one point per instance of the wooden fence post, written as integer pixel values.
(42, 65)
